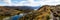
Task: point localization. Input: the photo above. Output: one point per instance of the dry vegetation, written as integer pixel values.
(46, 12)
(40, 14)
(6, 12)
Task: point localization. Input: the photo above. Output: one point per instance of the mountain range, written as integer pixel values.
(23, 7)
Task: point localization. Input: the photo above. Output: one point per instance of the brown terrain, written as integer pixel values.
(40, 14)
(46, 12)
(6, 12)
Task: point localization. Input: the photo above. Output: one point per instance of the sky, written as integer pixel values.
(28, 2)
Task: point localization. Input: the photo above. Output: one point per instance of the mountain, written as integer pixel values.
(22, 7)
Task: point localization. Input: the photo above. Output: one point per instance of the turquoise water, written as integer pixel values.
(16, 17)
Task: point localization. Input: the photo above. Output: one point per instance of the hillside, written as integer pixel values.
(8, 11)
(46, 12)
(37, 15)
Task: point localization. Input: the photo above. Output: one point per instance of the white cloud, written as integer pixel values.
(32, 3)
(42, 2)
(50, 2)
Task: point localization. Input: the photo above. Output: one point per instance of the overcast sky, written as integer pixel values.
(28, 2)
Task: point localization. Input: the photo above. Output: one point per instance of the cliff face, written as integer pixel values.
(55, 11)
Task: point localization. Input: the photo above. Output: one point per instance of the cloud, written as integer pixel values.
(34, 3)
(50, 2)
